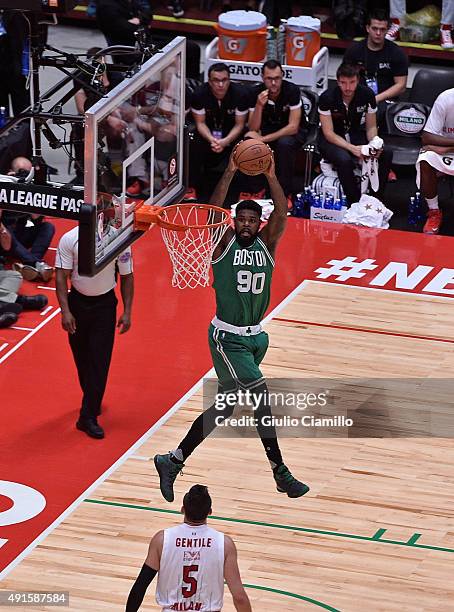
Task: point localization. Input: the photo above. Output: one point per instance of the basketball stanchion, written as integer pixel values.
(191, 232)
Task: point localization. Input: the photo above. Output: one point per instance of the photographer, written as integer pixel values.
(30, 234)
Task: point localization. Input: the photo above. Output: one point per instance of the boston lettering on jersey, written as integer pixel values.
(193, 542)
(242, 280)
(243, 257)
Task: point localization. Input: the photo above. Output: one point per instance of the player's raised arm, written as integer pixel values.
(220, 192)
(218, 199)
(275, 227)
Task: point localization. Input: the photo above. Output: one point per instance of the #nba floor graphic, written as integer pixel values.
(47, 467)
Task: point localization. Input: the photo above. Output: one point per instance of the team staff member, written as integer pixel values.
(191, 560)
(384, 64)
(344, 112)
(89, 317)
(276, 118)
(220, 109)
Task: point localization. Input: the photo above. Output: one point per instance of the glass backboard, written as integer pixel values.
(133, 153)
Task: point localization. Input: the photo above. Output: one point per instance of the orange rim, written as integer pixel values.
(180, 227)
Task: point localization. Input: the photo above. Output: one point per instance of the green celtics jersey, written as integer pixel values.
(242, 281)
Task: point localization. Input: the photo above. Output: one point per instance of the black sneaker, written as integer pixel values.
(32, 302)
(7, 319)
(91, 428)
(286, 483)
(10, 307)
(168, 470)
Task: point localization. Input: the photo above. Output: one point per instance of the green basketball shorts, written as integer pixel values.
(236, 358)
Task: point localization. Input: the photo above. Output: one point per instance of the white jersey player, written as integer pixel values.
(437, 155)
(191, 560)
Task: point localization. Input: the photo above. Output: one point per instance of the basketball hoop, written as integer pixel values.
(191, 232)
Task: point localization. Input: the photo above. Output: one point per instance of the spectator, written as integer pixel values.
(216, 560)
(89, 316)
(30, 234)
(276, 118)
(344, 111)
(118, 20)
(398, 9)
(437, 155)
(11, 303)
(384, 65)
(14, 36)
(220, 110)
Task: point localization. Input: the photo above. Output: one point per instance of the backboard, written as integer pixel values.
(133, 153)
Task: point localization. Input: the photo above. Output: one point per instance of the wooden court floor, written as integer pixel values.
(376, 531)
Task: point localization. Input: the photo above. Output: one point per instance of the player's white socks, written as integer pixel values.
(432, 203)
(178, 454)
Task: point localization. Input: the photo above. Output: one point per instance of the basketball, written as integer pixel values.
(252, 156)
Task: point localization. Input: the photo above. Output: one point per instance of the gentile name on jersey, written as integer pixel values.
(193, 542)
(244, 257)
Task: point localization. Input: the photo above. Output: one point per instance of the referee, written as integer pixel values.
(89, 316)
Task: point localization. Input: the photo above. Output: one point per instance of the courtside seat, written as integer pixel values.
(429, 83)
(405, 122)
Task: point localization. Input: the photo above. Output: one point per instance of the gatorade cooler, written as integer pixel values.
(242, 36)
(302, 40)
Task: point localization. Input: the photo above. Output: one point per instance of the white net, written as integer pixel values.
(191, 250)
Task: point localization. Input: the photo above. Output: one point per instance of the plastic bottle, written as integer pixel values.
(328, 203)
(420, 215)
(337, 204)
(3, 117)
(298, 205)
(412, 217)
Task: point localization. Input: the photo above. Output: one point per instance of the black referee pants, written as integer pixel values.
(92, 345)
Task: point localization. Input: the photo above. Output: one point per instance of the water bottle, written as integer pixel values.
(420, 214)
(3, 117)
(412, 216)
(338, 204)
(328, 203)
(317, 202)
(298, 205)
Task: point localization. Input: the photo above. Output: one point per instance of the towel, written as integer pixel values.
(369, 212)
(369, 170)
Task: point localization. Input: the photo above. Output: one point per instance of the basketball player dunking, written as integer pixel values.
(191, 560)
(242, 267)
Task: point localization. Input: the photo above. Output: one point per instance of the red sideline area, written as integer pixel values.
(163, 355)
